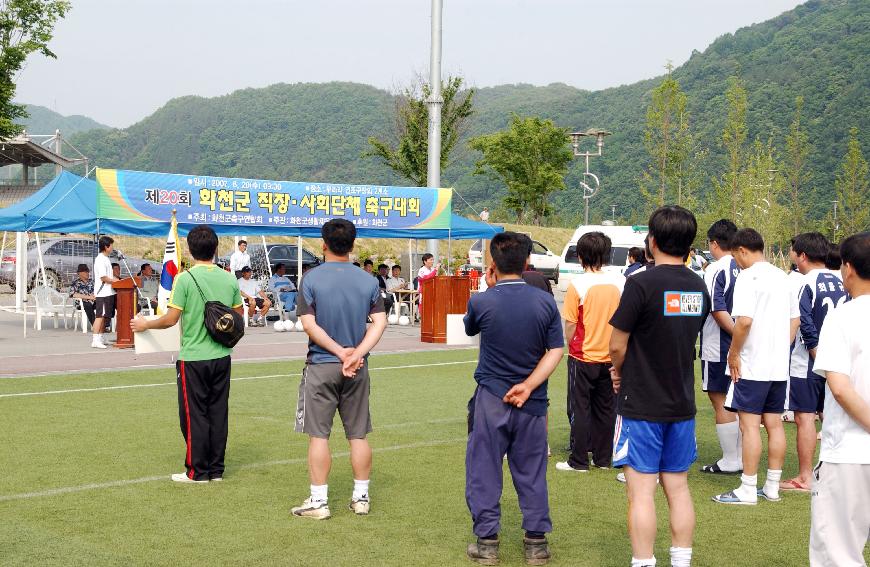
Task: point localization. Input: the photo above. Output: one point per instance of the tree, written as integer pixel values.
(26, 26)
(669, 144)
(408, 155)
(853, 193)
(797, 150)
(531, 158)
(727, 196)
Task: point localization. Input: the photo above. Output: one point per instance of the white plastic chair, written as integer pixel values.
(80, 315)
(49, 302)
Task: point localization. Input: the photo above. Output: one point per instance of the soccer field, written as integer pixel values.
(87, 458)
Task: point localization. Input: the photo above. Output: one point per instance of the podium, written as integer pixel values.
(125, 308)
(442, 295)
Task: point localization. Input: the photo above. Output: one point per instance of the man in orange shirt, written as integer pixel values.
(590, 302)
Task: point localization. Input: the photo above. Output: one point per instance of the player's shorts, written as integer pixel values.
(756, 397)
(652, 447)
(104, 307)
(806, 395)
(713, 378)
(323, 390)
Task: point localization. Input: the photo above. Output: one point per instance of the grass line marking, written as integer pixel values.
(165, 477)
(241, 379)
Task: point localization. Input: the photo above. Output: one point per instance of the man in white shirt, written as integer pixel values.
(283, 287)
(254, 297)
(484, 214)
(104, 304)
(240, 258)
(758, 365)
(840, 520)
(720, 277)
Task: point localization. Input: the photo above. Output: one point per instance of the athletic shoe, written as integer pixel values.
(564, 466)
(716, 469)
(620, 477)
(184, 479)
(537, 551)
(98, 344)
(360, 506)
(763, 494)
(217, 479)
(316, 510)
(731, 498)
(483, 551)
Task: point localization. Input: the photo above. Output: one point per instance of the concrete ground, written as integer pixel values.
(58, 351)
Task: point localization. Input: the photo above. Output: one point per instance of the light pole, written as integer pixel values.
(588, 190)
(613, 213)
(836, 222)
(433, 176)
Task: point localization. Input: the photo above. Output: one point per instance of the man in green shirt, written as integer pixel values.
(203, 366)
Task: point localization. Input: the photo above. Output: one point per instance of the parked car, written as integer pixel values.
(542, 259)
(61, 258)
(284, 253)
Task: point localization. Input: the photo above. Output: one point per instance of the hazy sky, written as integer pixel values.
(120, 60)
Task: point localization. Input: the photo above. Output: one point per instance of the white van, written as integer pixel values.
(622, 238)
(541, 258)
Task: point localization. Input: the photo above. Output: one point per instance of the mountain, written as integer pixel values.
(44, 121)
(318, 132)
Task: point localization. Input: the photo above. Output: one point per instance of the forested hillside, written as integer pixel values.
(318, 132)
(44, 121)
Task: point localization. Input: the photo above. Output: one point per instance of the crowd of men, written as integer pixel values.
(769, 342)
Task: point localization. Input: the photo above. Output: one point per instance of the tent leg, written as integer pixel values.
(298, 261)
(20, 270)
(3, 249)
(266, 253)
(41, 261)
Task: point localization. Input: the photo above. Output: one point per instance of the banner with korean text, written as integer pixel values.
(200, 199)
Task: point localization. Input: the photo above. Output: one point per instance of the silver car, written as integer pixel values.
(61, 258)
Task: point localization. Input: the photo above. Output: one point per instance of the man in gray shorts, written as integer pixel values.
(334, 301)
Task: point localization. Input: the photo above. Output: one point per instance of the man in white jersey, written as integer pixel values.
(841, 481)
(821, 291)
(104, 304)
(758, 365)
(715, 342)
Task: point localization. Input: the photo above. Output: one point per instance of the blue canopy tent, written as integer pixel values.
(68, 203)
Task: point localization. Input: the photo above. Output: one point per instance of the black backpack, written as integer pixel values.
(224, 324)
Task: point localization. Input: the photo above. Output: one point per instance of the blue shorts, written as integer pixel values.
(713, 378)
(806, 395)
(756, 397)
(652, 447)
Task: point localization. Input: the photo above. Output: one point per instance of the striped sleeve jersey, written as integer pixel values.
(719, 277)
(822, 290)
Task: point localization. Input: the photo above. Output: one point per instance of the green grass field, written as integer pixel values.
(86, 480)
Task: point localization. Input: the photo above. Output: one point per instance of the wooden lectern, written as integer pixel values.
(442, 295)
(125, 308)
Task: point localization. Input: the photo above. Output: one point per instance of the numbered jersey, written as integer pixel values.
(719, 277)
(820, 293)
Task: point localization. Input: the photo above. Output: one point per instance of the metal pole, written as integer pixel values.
(3, 249)
(41, 262)
(57, 144)
(433, 177)
(20, 270)
(298, 262)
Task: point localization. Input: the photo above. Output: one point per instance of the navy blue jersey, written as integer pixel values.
(518, 324)
(821, 292)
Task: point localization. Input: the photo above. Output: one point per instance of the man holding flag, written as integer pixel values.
(171, 264)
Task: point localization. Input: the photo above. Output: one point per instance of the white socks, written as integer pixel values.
(771, 484)
(635, 562)
(748, 491)
(729, 441)
(318, 493)
(681, 556)
(360, 489)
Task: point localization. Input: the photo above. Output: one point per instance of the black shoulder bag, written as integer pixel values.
(223, 323)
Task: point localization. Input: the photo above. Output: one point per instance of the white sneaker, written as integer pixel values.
(620, 477)
(183, 478)
(316, 510)
(360, 506)
(98, 344)
(565, 466)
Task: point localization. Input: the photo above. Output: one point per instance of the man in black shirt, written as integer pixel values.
(652, 348)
